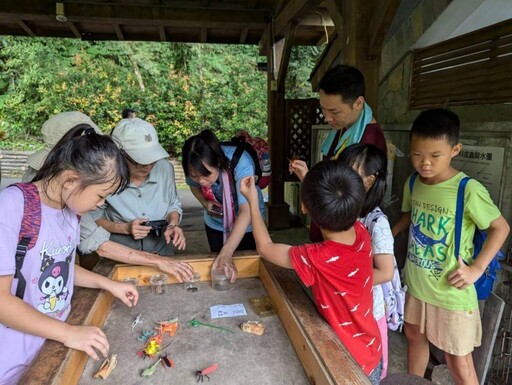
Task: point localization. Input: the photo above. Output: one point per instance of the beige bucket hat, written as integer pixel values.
(54, 129)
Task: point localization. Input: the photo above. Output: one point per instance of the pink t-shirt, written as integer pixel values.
(341, 278)
(48, 270)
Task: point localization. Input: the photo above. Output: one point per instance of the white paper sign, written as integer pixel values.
(221, 311)
(485, 164)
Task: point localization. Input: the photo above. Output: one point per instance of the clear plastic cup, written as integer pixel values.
(134, 281)
(220, 281)
(192, 285)
(158, 283)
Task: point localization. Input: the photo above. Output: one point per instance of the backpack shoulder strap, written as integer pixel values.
(236, 157)
(372, 218)
(412, 179)
(29, 231)
(459, 213)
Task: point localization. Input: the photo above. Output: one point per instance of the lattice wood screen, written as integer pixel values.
(470, 69)
(300, 115)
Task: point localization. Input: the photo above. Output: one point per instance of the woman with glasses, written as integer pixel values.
(146, 215)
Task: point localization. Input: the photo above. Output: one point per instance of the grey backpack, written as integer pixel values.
(394, 292)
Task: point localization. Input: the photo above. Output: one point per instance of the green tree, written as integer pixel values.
(180, 88)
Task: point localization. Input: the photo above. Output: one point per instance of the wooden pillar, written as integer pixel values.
(361, 27)
(278, 211)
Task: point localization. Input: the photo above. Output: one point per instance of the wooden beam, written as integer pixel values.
(140, 13)
(74, 29)
(161, 33)
(351, 46)
(379, 27)
(243, 35)
(119, 32)
(334, 9)
(318, 18)
(204, 34)
(25, 27)
(285, 55)
(286, 12)
(293, 11)
(331, 52)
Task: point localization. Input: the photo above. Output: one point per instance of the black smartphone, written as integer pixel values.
(216, 211)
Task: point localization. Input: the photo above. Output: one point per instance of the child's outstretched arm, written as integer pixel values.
(403, 223)
(276, 253)
(20, 316)
(126, 292)
(465, 275)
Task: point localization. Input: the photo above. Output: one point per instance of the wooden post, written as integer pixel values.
(359, 41)
(278, 211)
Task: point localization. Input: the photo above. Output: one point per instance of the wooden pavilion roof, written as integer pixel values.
(197, 21)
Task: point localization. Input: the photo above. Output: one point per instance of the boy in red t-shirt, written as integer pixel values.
(339, 269)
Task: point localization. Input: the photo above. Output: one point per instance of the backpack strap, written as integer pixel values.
(412, 179)
(459, 214)
(236, 157)
(372, 218)
(29, 231)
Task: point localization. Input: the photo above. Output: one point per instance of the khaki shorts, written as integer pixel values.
(455, 332)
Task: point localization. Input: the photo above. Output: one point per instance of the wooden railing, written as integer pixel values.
(470, 69)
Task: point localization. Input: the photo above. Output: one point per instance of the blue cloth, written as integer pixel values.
(352, 134)
(245, 167)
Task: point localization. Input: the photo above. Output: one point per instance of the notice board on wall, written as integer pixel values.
(484, 164)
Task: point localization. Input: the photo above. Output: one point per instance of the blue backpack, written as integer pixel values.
(485, 283)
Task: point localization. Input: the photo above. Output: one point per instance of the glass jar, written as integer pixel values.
(192, 285)
(220, 281)
(158, 283)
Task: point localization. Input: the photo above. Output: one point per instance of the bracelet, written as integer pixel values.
(172, 226)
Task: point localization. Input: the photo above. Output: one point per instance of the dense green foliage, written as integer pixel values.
(180, 88)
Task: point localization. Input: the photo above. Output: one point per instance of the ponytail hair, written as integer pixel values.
(368, 160)
(94, 157)
(203, 148)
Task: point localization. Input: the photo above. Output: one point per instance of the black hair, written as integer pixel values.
(437, 123)
(368, 160)
(333, 193)
(343, 80)
(127, 112)
(94, 157)
(203, 148)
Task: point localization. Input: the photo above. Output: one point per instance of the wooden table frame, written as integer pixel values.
(324, 358)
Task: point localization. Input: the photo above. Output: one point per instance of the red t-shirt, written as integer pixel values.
(341, 278)
(373, 134)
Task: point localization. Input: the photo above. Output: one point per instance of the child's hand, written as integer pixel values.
(87, 339)
(126, 292)
(248, 189)
(299, 168)
(463, 275)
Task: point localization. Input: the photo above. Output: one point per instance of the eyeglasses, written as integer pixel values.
(137, 165)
